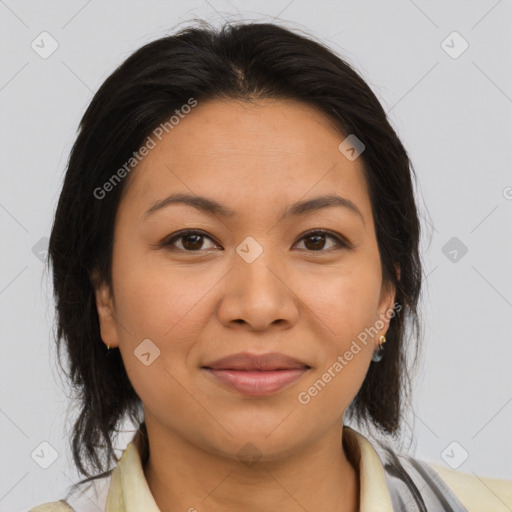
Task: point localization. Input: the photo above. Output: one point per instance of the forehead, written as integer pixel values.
(251, 153)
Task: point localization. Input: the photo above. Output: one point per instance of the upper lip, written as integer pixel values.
(263, 362)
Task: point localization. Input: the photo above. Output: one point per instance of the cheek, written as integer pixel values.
(167, 307)
(171, 307)
(345, 302)
(344, 311)
(158, 300)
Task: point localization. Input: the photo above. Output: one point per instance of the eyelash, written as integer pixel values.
(341, 243)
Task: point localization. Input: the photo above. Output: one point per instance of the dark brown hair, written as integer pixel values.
(243, 61)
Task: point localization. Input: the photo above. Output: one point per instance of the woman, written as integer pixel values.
(237, 229)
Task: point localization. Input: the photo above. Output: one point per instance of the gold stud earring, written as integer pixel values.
(379, 352)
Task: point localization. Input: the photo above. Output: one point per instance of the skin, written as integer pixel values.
(305, 298)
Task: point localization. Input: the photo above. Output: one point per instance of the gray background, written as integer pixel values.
(453, 115)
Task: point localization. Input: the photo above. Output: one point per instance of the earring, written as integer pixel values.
(107, 353)
(379, 352)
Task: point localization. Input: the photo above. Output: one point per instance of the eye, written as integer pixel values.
(317, 240)
(190, 241)
(193, 241)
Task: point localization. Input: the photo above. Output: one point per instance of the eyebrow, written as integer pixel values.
(213, 207)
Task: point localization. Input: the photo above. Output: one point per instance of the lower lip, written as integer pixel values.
(257, 383)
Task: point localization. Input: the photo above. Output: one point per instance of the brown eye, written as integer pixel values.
(317, 240)
(194, 241)
(191, 241)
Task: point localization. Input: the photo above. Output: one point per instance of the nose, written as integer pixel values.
(258, 295)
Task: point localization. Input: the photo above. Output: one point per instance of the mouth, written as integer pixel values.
(257, 382)
(257, 376)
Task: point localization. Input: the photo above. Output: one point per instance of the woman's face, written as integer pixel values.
(254, 281)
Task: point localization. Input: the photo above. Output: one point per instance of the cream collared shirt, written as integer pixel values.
(127, 490)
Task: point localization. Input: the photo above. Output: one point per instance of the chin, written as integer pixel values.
(256, 442)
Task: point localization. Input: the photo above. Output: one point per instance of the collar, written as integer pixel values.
(129, 490)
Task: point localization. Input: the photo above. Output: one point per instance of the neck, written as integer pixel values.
(182, 476)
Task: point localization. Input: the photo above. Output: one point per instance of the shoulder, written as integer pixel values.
(411, 479)
(54, 506)
(477, 494)
(86, 497)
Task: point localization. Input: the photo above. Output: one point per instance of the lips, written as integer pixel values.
(256, 375)
(253, 362)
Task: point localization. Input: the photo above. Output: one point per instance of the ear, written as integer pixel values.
(387, 301)
(106, 311)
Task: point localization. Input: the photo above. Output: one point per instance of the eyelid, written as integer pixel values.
(340, 240)
(168, 241)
